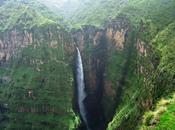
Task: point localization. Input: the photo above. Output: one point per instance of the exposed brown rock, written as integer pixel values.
(141, 47)
(109, 33)
(119, 37)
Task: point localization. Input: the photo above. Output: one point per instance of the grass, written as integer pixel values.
(162, 117)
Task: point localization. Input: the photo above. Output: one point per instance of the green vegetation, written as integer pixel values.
(162, 117)
(128, 107)
(37, 82)
(96, 12)
(26, 15)
(157, 30)
(39, 88)
(153, 22)
(116, 65)
(152, 15)
(40, 92)
(164, 41)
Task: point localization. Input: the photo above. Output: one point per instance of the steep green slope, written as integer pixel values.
(162, 117)
(39, 95)
(153, 15)
(39, 91)
(36, 87)
(153, 21)
(97, 12)
(26, 14)
(153, 24)
(66, 8)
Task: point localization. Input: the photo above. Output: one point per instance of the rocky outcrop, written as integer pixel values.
(141, 47)
(118, 36)
(12, 41)
(116, 31)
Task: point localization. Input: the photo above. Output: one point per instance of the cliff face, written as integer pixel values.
(117, 66)
(128, 65)
(105, 53)
(16, 39)
(24, 49)
(36, 87)
(35, 61)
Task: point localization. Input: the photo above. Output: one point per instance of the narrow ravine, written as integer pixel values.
(81, 88)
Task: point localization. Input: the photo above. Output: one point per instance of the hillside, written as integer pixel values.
(27, 14)
(31, 57)
(161, 117)
(125, 47)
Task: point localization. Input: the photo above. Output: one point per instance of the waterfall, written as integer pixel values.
(81, 87)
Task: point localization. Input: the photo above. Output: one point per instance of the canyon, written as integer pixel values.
(102, 76)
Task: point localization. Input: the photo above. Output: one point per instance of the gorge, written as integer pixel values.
(87, 65)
